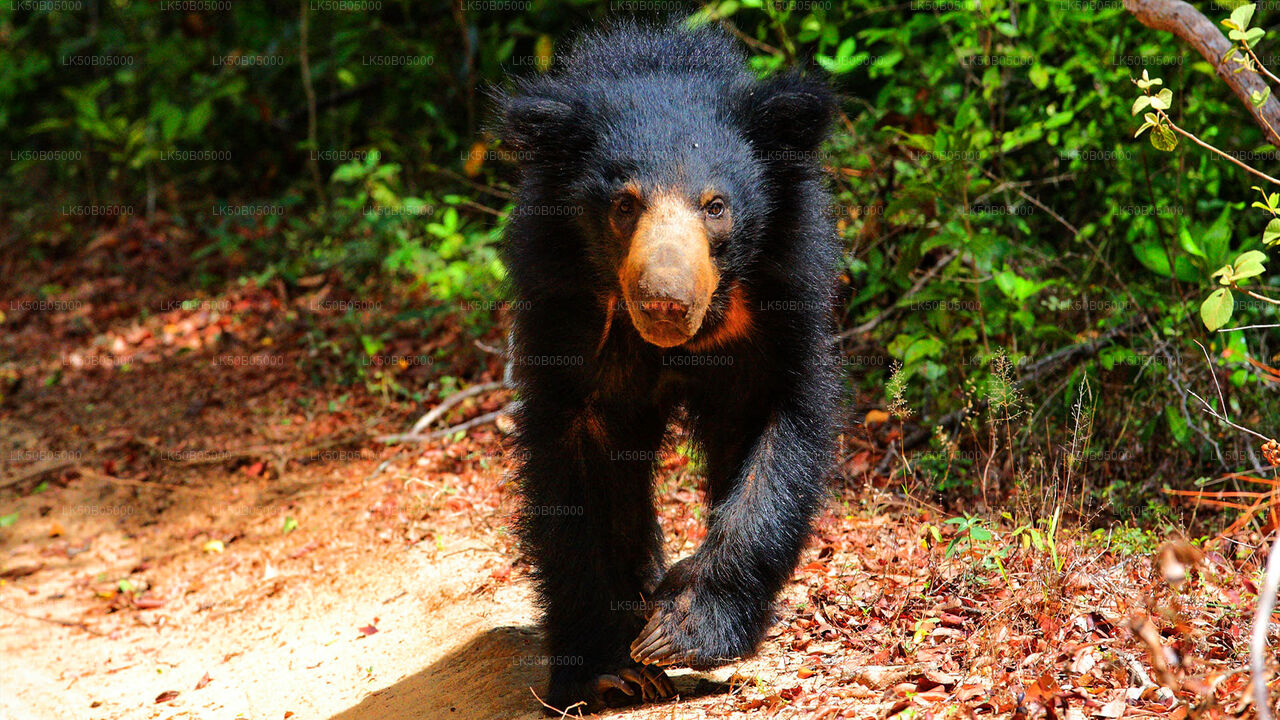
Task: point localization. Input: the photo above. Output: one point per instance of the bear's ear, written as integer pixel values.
(787, 112)
(535, 126)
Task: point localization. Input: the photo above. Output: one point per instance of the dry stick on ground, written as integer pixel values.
(438, 411)
(56, 621)
(1198, 31)
(478, 420)
(34, 472)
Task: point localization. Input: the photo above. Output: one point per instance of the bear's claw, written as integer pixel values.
(655, 647)
(624, 686)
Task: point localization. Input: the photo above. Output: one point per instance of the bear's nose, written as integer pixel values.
(665, 310)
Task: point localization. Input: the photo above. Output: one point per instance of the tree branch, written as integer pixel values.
(1183, 20)
(1258, 636)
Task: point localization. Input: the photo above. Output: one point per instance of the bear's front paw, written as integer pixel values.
(627, 685)
(695, 626)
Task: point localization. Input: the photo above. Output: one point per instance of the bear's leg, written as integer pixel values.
(588, 526)
(766, 471)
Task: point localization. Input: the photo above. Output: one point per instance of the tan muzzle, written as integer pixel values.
(668, 277)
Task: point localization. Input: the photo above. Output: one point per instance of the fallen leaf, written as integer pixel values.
(1113, 709)
(876, 417)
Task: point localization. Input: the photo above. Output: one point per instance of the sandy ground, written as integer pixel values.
(342, 617)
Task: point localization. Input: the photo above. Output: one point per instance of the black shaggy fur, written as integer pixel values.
(673, 108)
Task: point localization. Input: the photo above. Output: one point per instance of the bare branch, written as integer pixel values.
(438, 411)
(1258, 639)
(1190, 136)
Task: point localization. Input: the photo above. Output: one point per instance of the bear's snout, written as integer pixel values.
(668, 276)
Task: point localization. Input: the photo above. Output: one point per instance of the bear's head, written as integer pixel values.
(673, 157)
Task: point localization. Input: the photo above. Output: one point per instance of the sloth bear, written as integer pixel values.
(670, 250)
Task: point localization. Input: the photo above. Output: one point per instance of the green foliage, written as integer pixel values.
(1217, 309)
(986, 151)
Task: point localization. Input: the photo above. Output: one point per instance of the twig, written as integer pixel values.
(1015, 184)
(563, 713)
(1261, 67)
(438, 411)
(1258, 639)
(1209, 409)
(1255, 295)
(870, 325)
(1190, 136)
(37, 471)
(762, 46)
(469, 182)
(412, 437)
(150, 485)
(1209, 363)
(1045, 208)
(55, 621)
(491, 349)
(483, 208)
(304, 62)
(279, 452)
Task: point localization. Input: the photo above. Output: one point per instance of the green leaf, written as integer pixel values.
(1258, 98)
(1162, 100)
(349, 172)
(1148, 82)
(922, 348)
(1185, 271)
(1271, 235)
(543, 53)
(1153, 257)
(8, 520)
(1252, 37)
(169, 118)
(1249, 264)
(198, 118)
(1039, 77)
(1163, 138)
(1177, 423)
(1243, 15)
(1142, 103)
(1016, 287)
(1216, 309)
(290, 524)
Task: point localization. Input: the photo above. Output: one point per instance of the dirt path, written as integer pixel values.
(336, 619)
(185, 533)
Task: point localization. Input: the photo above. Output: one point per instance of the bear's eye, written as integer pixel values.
(715, 208)
(624, 205)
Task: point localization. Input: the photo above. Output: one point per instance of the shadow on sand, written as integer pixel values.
(487, 678)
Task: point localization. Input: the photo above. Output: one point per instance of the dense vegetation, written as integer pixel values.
(994, 202)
